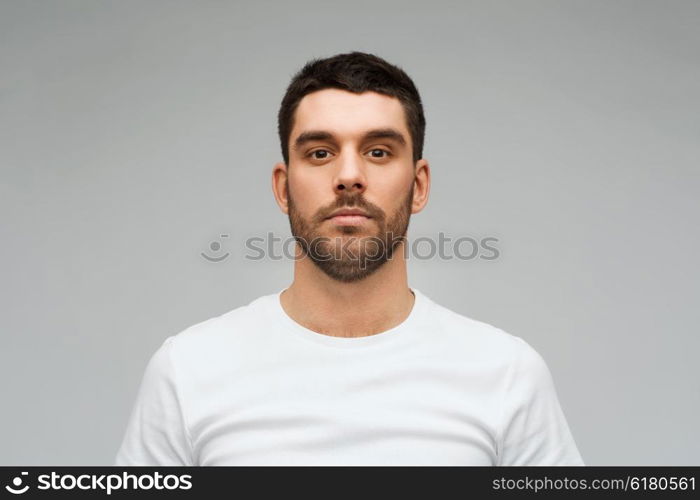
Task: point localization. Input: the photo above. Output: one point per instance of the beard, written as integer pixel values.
(349, 258)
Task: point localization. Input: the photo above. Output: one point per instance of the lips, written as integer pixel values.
(349, 217)
(349, 212)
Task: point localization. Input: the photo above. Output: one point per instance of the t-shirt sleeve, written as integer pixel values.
(156, 432)
(534, 430)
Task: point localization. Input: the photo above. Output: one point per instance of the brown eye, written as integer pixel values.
(324, 154)
(383, 153)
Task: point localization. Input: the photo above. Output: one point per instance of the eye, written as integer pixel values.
(325, 154)
(386, 153)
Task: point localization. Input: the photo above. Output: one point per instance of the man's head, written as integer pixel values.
(351, 128)
(354, 72)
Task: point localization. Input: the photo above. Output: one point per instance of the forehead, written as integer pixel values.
(345, 112)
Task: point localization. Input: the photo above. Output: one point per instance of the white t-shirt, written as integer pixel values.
(254, 387)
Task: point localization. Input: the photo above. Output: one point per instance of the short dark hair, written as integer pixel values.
(355, 72)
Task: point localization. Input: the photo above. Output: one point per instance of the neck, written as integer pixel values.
(372, 305)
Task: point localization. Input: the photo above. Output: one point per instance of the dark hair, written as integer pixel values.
(356, 72)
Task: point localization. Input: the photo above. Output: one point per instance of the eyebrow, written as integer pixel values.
(322, 135)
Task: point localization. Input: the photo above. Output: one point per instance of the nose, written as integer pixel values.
(350, 176)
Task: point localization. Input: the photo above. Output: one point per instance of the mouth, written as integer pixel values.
(348, 220)
(349, 217)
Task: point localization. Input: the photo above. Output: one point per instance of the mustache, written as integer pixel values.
(350, 201)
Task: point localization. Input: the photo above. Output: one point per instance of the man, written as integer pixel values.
(348, 365)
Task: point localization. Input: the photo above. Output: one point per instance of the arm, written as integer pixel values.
(156, 433)
(534, 430)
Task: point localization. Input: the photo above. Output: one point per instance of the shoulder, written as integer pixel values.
(219, 334)
(479, 339)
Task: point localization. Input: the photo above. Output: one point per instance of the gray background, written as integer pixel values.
(133, 134)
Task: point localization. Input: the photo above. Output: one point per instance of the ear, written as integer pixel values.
(279, 188)
(421, 186)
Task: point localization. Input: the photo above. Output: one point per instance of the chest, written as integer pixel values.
(353, 414)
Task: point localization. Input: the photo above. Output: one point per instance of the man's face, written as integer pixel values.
(337, 163)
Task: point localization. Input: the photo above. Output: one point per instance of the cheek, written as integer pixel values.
(306, 181)
(391, 190)
(306, 194)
